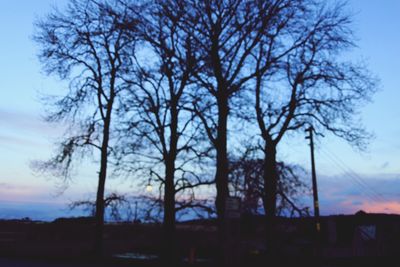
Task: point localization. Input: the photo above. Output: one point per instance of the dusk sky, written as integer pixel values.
(348, 180)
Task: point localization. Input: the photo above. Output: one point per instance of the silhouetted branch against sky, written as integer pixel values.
(86, 45)
(308, 82)
(158, 113)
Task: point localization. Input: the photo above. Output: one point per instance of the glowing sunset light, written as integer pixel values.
(381, 207)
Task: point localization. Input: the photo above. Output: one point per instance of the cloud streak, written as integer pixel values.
(28, 123)
(7, 140)
(14, 192)
(24, 129)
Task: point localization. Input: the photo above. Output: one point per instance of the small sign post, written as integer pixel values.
(232, 208)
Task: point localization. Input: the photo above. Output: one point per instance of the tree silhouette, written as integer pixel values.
(88, 45)
(247, 182)
(226, 33)
(158, 109)
(307, 82)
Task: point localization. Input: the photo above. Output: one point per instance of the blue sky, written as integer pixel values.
(348, 180)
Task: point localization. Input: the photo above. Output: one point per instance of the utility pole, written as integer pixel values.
(310, 130)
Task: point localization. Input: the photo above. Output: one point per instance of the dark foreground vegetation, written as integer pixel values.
(351, 240)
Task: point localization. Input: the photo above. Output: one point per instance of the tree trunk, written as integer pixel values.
(270, 192)
(99, 215)
(221, 176)
(169, 253)
(221, 180)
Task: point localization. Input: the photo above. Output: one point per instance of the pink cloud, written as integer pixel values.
(382, 207)
(379, 194)
(10, 192)
(352, 204)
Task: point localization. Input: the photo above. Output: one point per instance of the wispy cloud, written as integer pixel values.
(25, 130)
(15, 140)
(15, 192)
(26, 123)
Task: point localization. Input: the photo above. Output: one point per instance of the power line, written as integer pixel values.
(354, 177)
(357, 176)
(361, 188)
(365, 189)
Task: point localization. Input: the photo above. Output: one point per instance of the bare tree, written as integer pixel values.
(88, 45)
(308, 82)
(226, 33)
(159, 116)
(247, 182)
